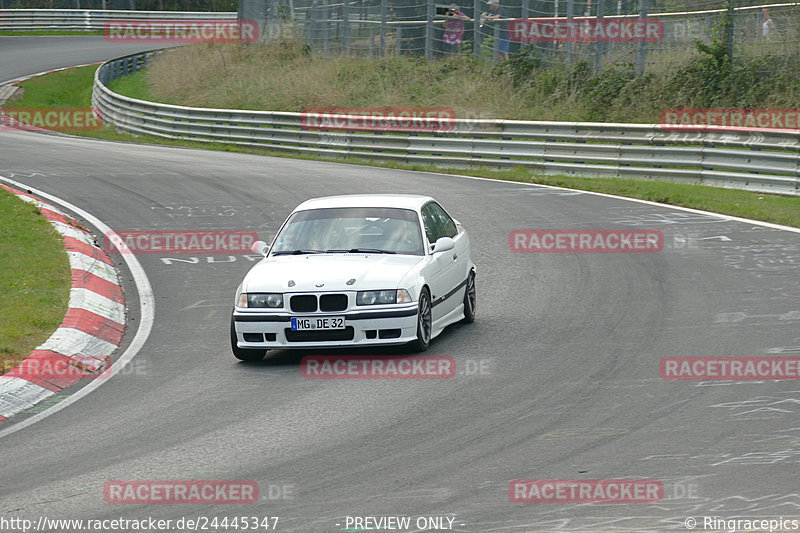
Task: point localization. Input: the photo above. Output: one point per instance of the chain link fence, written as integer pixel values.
(650, 34)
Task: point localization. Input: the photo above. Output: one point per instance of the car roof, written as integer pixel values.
(403, 201)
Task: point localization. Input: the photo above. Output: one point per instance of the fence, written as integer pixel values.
(554, 32)
(765, 161)
(380, 27)
(91, 19)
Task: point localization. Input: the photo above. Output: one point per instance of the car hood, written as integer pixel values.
(370, 271)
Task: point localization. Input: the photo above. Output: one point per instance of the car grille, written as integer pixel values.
(307, 303)
(346, 334)
(304, 303)
(333, 302)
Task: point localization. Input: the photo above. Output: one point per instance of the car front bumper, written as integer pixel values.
(371, 327)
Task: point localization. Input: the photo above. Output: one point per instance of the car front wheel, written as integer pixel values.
(244, 354)
(470, 298)
(424, 322)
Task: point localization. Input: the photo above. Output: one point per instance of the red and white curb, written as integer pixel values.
(92, 328)
(29, 76)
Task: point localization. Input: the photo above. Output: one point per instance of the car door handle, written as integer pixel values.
(455, 257)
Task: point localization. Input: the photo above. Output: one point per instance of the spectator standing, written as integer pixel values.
(767, 24)
(454, 29)
(497, 12)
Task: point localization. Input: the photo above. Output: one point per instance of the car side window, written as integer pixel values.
(446, 225)
(431, 223)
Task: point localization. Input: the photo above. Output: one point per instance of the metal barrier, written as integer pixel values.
(758, 160)
(92, 19)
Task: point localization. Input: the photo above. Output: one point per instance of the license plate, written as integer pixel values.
(313, 323)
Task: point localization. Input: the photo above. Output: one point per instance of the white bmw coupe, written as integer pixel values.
(357, 270)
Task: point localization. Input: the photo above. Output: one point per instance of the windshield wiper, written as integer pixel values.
(362, 251)
(296, 252)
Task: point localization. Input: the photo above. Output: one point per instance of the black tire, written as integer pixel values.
(470, 299)
(244, 354)
(424, 322)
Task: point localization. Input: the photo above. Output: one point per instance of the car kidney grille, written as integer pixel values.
(304, 303)
(333, 302)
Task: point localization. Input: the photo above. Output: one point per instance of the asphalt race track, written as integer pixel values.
(566, 347)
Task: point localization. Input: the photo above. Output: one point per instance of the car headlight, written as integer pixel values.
(261, 299)
(400, 296)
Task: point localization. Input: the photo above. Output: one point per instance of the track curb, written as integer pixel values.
(92, 328)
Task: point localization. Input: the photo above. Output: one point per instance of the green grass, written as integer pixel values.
(286, 76)
(35, 279)
(71, 88)
(65, 88)
(134, 85)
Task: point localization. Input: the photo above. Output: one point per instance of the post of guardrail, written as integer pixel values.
(429, 30)
(346, 26)
(476, 25)
(599, 46)
(641, 54)
(384, 17)
(570, 16)
(399, 37)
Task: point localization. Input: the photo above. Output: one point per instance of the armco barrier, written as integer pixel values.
(92, 19)
(758, 160)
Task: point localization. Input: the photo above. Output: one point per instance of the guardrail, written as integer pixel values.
(92, 19)
(765, 161)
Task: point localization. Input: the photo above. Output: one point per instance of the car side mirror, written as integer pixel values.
(443, 244)
(260, 248)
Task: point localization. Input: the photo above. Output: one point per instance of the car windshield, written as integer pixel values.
(350, 230)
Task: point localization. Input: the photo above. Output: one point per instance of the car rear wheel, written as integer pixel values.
(470, 298)
(424, 322)
(244, 354)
